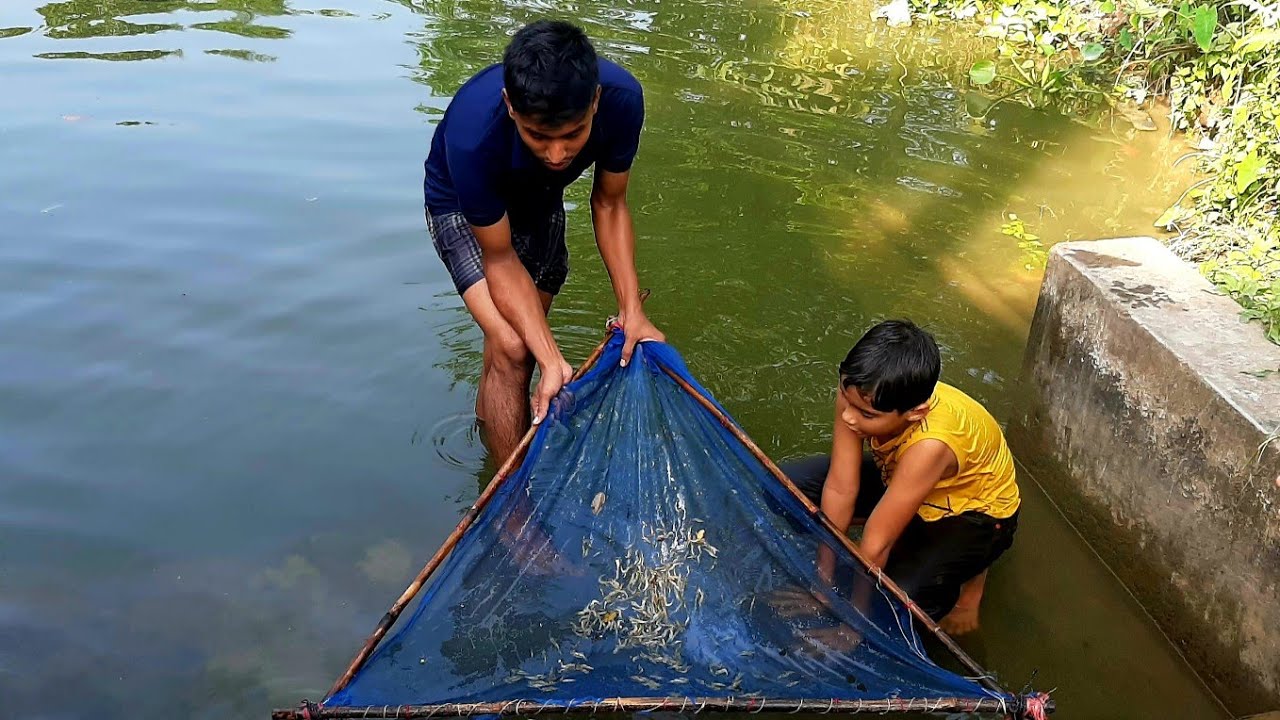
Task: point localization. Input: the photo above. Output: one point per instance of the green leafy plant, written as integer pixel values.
(1034, 253)
(983, 72)
(1203, 23)
(1252, 277)
(1218, 64)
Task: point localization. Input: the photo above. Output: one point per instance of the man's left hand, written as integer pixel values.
(636, 327)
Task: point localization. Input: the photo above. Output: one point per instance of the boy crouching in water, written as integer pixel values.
(937, 489)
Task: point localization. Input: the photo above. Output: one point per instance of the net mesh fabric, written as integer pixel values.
(641, 550)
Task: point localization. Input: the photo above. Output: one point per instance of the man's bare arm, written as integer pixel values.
(516, 297)
(616, 240)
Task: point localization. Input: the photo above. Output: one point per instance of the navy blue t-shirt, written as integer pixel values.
(479, 166)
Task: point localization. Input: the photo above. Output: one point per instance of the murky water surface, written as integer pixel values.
(236, 386)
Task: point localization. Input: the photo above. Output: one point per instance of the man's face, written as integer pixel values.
(555, 145)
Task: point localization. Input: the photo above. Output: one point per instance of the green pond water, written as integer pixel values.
(236, 385)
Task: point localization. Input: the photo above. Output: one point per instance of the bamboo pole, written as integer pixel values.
(450, 542)
(970, 664)
(943, 705)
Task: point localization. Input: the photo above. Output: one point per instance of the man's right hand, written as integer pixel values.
(517, 300)
(554, 377)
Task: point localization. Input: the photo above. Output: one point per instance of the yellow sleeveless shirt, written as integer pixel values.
(986, 481)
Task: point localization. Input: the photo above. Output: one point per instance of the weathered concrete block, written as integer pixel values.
(1148, 421)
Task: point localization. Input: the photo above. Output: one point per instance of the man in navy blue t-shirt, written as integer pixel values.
(512, 138)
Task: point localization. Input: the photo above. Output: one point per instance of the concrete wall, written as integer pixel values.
(1147, 423)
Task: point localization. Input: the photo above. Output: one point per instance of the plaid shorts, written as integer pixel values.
(539, 243)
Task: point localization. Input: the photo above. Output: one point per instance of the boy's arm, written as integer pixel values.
(615, 237)
(922, 467)
(840, 490)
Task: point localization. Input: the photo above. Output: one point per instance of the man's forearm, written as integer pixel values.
(616, 240)
(516, 297)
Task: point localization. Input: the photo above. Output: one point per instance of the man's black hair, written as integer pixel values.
(896, 364)
(550, 72)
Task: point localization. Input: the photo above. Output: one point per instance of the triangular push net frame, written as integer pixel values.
(638, 553)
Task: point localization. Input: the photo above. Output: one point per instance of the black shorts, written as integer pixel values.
(931, 559)
(538, 239)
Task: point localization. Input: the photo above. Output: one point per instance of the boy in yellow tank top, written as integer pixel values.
(925, 465)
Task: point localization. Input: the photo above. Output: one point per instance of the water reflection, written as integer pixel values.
(126, 56)
(98, 19)
(243, 55)
(107, 18)
(813, 148)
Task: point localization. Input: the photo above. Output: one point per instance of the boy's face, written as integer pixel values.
(555, 145)
(867, 422)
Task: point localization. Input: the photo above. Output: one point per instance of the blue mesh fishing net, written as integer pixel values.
(641, 550)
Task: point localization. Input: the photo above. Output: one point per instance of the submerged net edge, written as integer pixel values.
(1016, 706)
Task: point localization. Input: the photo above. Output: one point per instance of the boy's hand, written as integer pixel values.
(826, 564)
(832, 635)
(841, 639)
(795, 602)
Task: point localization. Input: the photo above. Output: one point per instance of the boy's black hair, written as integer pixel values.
(896, 364)
(550, 72)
